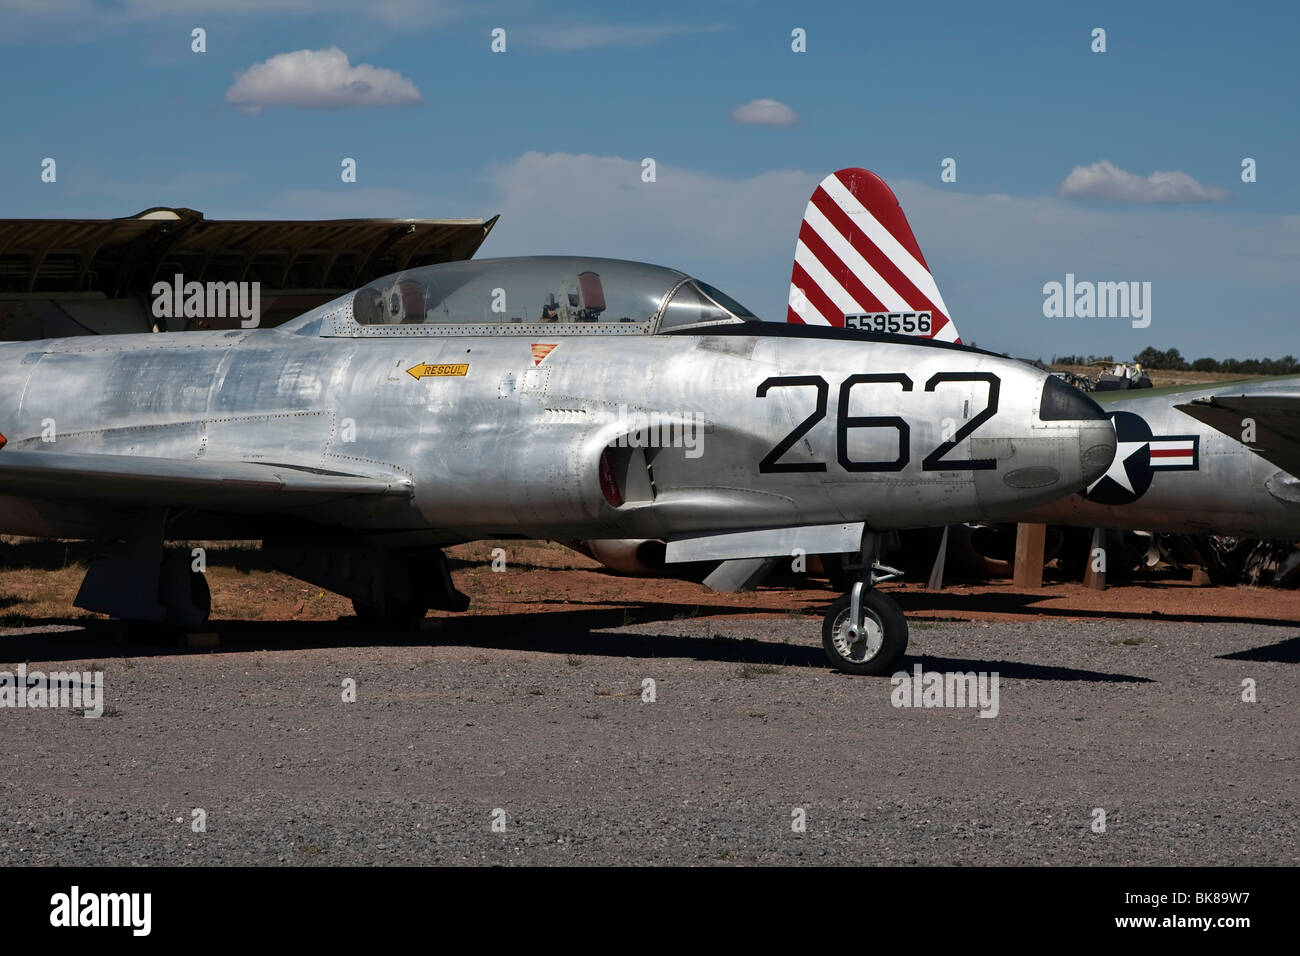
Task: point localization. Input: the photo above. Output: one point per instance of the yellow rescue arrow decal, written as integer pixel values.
(427, 371)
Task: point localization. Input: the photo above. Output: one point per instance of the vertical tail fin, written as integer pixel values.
(857, 263)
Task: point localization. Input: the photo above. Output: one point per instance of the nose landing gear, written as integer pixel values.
(864, 632)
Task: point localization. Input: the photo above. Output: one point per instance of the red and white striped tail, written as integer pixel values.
(857, 260)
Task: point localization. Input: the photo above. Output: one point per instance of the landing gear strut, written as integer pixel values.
(410, 585)
(864, 632)
(388, 587)
(140, 580)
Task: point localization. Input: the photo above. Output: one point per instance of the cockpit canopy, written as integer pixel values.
(516, 296)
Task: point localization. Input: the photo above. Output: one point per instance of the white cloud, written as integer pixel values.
(319, 79)
(566, 39)
(599, 205)
(764, 112)
(1105, 180)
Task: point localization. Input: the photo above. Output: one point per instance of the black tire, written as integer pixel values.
(402, 613)
(201, 595)
(880, 612)
(182, 612)
(839, 577)
(405, 615)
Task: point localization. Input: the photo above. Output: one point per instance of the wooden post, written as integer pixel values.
(1095, 576)
(1031, 539)
(936, 573)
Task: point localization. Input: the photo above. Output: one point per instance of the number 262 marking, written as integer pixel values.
(934, 461)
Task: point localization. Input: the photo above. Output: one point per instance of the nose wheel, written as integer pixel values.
(864, 632)
(872, 646)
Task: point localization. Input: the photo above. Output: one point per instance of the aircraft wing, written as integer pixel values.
(135, 481)
(1276, 417)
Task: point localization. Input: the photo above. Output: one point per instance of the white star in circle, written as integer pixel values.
(1118, 470)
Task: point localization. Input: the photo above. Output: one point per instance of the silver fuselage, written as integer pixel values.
(514, 446)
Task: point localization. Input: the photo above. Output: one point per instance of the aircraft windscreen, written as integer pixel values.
(726, 301)
(698, 303)
(525, 291)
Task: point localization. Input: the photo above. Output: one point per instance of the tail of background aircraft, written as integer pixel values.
(857, 263)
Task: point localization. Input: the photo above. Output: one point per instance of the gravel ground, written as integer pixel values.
(542, 719)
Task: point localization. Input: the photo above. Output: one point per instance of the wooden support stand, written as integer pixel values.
(1095, 576)
(1031, 539)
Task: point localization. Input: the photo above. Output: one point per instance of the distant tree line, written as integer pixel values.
(1171, 360)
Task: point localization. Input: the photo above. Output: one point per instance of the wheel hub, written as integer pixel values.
(862, 646)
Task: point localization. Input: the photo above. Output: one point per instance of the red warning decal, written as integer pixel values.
(608, 483)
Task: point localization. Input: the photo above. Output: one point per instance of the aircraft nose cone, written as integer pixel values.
(1064, 402)
(1069, 445)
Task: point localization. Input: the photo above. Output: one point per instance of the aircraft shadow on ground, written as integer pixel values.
(1029, 605)
(581, 627)
(1283, 652)
(582, 632)
(1018, 670)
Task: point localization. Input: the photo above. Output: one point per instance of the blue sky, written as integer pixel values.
(552, 132)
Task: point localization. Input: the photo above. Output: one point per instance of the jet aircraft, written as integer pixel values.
(547, 397)
(1200, 459)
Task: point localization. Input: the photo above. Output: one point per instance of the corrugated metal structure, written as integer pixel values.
(86, 276)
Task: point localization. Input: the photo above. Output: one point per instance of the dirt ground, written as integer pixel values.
(39, 580)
